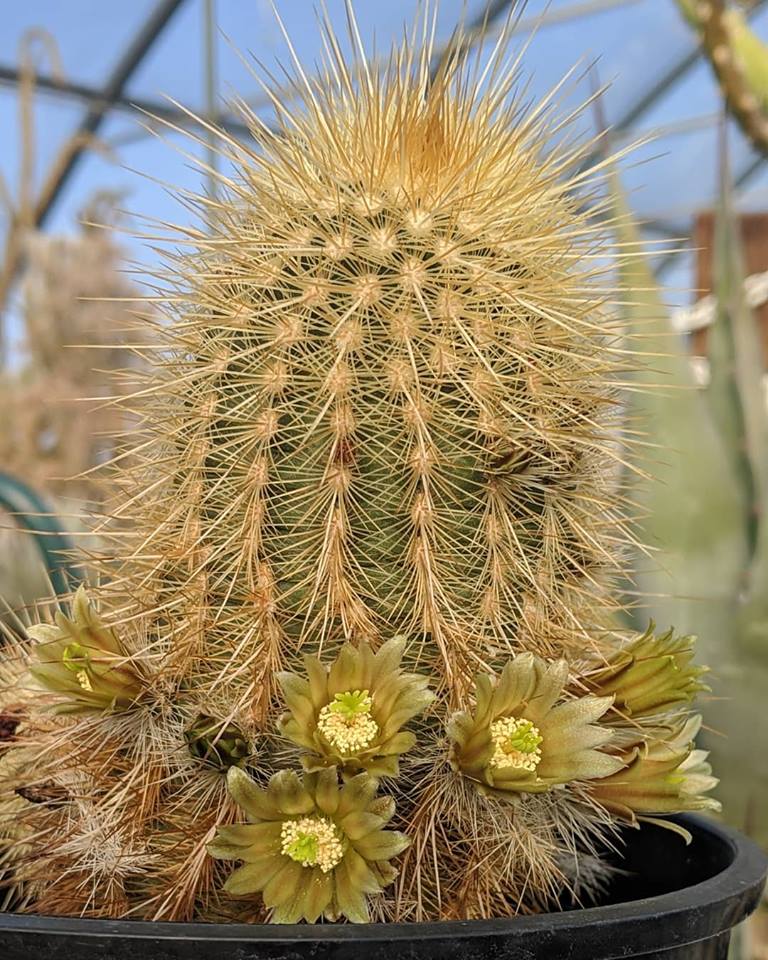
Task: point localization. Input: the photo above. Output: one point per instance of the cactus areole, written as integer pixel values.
(357, 655)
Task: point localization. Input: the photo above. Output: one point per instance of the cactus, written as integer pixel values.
(739, 62)
(371, 531)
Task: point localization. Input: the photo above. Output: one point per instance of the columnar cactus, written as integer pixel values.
(371, 530)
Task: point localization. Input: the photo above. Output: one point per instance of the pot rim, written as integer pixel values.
(732, 894)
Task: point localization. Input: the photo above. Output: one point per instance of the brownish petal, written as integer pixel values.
(381, 845)
(356, 794)
(288, 793)
(258, 804)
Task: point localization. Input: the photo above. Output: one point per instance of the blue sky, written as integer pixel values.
(633, 43)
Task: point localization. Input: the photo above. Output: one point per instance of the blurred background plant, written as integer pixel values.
(702, 512)
(705, 513)
(56, 419)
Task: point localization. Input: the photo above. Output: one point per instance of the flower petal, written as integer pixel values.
(285, 889)
(327, 791)
(383, 767)
(574, 713)
(288, 793)
(248, 842)
(317, 895)
(297, 697)
(257, 803)
(585, 765)
(388, 657)
(383, 807)
(358, 824)
(252, 877)
(349, 900)
(515, 686)
(356, 794)
(347, 672)
(317, 677)
(381, 845)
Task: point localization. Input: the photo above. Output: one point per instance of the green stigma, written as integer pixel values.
(76, 658)
(525, 738)
(351, 704)
(303, 849)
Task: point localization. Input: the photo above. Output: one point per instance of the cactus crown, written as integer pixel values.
(377, 491)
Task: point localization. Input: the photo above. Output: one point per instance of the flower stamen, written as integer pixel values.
(516, 743)
(312, 842)
(76, 658)
(346, 722)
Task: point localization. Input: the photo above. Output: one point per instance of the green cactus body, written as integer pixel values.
(386, 400)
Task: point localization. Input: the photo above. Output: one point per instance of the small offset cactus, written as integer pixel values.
(366, 581)
(220, 747)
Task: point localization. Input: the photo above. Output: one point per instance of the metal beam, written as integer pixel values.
(740, 180)
(656, 90)
(67, 89)
(749, 171)
(211, 73)
(123, 70)
(753, 167)
(669, 231)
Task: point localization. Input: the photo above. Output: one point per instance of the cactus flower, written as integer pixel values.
(663, 776)
(312, 848)
(383, 386)
(84, 662)
(524, 738)
(649, 675)
(351, 714)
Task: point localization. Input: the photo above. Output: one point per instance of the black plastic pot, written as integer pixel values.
(679, 903)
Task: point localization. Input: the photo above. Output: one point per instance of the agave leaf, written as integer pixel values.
(697, 519)
(738, 402)
(692, 507)
(741, 677)
(736, 362)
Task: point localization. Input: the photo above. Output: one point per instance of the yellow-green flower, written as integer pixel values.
(351, 714)
(650, 674)
(312, 848)
(660, 777)
(524, 738)
(84, 662)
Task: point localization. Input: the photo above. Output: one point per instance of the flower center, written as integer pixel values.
(516, 743)
(76, 658)
(312, 842)
(346, 722)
